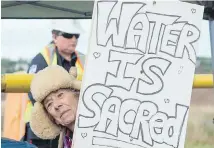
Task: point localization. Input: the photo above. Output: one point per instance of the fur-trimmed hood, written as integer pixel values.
(44, 82)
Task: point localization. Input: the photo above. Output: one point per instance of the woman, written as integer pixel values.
(56, 93)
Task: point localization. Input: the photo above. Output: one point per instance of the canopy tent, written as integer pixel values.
(47, 9)
(78, 10)
(67, 9)
(29, 9)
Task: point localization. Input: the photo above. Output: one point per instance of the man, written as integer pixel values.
(57, 94)
(61, 51)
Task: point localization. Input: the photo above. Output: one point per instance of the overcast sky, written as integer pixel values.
(25, 38)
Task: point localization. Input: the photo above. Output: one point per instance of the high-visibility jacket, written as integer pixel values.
(14, 125)
(50, 56)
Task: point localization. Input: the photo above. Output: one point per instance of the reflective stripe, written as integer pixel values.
(79, 67)
(79, 70)
(45, 53)
(54, 62)
(50, 55)
(25, 101)
(28, 111)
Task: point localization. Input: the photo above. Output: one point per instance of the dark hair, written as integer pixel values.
(56, 32)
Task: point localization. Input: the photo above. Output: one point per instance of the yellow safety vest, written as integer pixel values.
(50, 56)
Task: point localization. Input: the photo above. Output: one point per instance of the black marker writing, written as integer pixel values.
(130, 28)
(147, 121)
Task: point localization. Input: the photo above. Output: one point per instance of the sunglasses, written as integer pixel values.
(68, 35)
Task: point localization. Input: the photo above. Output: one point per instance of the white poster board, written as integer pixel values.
(138, 75)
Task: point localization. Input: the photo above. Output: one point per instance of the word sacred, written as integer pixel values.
(139, 120)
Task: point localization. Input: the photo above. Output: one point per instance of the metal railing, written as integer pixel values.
(20, 83)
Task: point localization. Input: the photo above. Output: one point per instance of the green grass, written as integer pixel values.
(198, 145)
(200, 129)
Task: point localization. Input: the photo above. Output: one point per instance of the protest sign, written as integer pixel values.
(138, 75)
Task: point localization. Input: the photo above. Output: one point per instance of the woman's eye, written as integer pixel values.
(60, 95)
(49, 105)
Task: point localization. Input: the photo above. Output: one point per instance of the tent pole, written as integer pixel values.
(62, 9)
(16, 3)
(211, 27)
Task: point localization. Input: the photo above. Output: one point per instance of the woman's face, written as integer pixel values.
(62, 106)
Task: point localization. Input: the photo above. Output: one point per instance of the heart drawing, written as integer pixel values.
(166, 100)
(84, 135)
(96, 55)
(193, 10)
(180, 70)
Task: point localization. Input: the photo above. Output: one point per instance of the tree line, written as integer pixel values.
(204, 65)
(11, 66)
